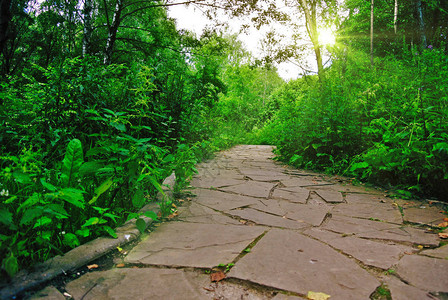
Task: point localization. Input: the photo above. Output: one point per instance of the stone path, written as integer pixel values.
(278, 233)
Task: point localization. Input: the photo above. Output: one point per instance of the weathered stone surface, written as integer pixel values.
(293, 262)
(193, 244)
(262, 218)
(404, 234)
(286, 297)
(251, 188)
(196, 213)
(402, 291)
(441, 252)
(50, 292)
(366, 199)
(381, 211)
(148, 283)
(216, 182)
(380, 230)
(424, 272)
(293, 194)
(222, 201)
(370, 253)
(423, 215)
(330, 196)
(294, 211)
(304, 181)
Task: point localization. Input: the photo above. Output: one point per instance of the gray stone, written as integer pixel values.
(222, 201)
(251, 188)
(330, 196)
(441, 252)
(303, 181)
(196, 213)
(286, 297)
(262, 218)
(402, 291)
(424, 272)
(148, 283)
(293, 211)
(289, 261)
(366, 199)
(370, 253)
(193, 244)
(216, 182)
(293, 194)
(50, 292)
(381, 211)
(423, 215)
(380, 230)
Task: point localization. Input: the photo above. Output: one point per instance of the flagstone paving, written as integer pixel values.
(278, 233)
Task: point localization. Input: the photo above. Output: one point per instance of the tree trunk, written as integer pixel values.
(309, 8)
(87, 14)
(396, 17)
(421, 23)
(5, 17)
(372, 5)
(113, 29)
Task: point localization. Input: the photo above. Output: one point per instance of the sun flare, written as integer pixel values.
(326, 37)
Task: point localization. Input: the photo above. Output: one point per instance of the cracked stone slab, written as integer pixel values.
(441, 252)
(262, 218)
(298, 212)
(216, 182)
(293, 194)
(330, 196)
(367, 199)
(286, 297)
(382, 211)
(402, 291)
(303, 181)
(196, 213)
(147, 283)
(251, 188)
(268, 178)
(423, 215)
(371, 253)
(380, 230)
(193, 244)
(222, 201)
(311, 265)
(426, 273)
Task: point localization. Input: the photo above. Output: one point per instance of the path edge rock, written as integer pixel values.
(88, 252)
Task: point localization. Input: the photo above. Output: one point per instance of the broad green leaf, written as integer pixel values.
(22, 177)
(91, 221)
(56, 210)
(11, 200)
(89, 168)
(101, 189)
(5, 217)
(151, 214)
(111, 216)
(71, 240)
(31, 201)
(141, 225)
(30, 215)
(84, 232)
(119, 126)
(72, 162)
(42, 221)
(110, 231)
(72, 196)
(138, 200)
(47, 185)
(10, 265)
(359, 165)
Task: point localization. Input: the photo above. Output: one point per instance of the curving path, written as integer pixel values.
(279, 233)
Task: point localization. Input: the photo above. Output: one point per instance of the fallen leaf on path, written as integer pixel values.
(120, 265)
(317, 296)
(94, 266)
(445, 219)
(443, 235)
(67, 295)
(209, 289)
(218, 276)
(444, 224)
(420, 247)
